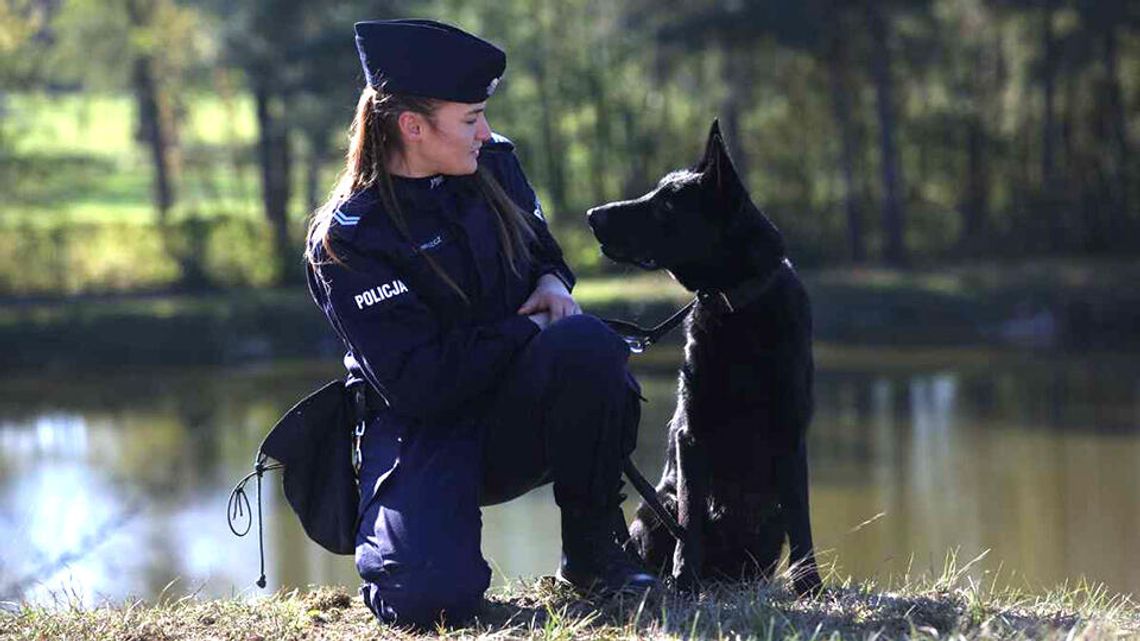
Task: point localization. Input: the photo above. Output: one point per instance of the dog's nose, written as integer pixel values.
(594, 216)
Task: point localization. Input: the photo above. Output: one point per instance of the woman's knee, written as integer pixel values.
(424, 598)
(585, 342)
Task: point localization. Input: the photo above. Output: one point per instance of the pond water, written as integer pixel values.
(115, 486)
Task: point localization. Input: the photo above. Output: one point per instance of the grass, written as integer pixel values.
(952, 604)
(74, 159)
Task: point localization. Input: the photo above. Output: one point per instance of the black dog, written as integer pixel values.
(736, 473)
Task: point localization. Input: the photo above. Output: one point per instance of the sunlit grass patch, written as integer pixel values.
(74, 157)
(70, 123)
(950, 604)
(217, 121)
(653, 287)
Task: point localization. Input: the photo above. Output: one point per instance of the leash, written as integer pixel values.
(649, 494)
(638, 338)
(727, 301)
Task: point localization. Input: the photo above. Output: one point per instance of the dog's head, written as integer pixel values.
(698, 223)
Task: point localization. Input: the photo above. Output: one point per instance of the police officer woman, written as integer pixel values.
(433, 264)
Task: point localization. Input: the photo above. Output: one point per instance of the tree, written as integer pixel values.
(734, 30)
(1102, 22)
(838, 25)
(144, 45)
(299, 64)
(894, 218)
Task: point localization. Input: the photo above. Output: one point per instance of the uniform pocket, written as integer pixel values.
(380, 449)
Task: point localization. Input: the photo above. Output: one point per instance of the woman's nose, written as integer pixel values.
(483, 130)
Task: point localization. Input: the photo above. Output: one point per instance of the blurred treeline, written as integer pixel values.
(897, 132)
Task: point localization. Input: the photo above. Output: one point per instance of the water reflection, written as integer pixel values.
(115, 487)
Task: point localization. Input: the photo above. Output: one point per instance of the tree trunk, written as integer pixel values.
(894, 252)
(975, 214)
(152, 134)
(1048, 79)
(603, 146)
(841, 105)
(1079, 224)
(637, 172)
(1118, 143)
(274, 156)
(153, 126)
(1054, 212)
(977, 189)
(734, 76)
(317, 142)
(552, 141)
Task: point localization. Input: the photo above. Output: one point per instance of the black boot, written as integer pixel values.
(592, 558)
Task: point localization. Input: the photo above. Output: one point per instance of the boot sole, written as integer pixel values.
(599, 588)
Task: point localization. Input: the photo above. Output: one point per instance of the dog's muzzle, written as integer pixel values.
(598, 218)
(620, 256)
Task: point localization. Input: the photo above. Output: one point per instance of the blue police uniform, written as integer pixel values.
(480, 405)
(472, 403)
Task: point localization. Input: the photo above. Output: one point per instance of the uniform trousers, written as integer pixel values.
(565, 412)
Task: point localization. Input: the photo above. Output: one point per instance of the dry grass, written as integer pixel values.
(949, 606)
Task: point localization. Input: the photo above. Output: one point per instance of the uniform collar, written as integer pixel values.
(428, 183)
(430, 192)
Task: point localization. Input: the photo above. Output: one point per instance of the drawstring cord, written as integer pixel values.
(239, 508)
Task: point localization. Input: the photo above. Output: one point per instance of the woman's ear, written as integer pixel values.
(411, 126)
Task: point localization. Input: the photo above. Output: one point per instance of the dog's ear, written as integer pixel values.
(714, 142)
(716, 167)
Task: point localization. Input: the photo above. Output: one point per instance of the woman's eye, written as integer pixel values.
(470, 122)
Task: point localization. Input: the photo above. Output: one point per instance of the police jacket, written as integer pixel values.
(429, 353)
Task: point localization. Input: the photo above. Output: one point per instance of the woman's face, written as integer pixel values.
(449, 142)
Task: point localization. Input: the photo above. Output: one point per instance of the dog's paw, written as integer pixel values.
(808, 584)
(686, 582)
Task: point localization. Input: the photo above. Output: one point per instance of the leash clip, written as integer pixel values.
(360, 404)
(357, 454)
(717, 298)
(637, 344)
(638, 338)
(727, 303)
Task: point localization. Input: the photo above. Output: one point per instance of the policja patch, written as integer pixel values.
(370, 297)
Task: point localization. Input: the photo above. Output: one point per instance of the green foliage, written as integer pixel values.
(222, 251)
(601, 99)
(25, 45)
(97, 40)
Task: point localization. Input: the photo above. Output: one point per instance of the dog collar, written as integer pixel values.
(726, 301)
(732, 300)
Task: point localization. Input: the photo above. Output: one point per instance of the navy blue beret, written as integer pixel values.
(429, 59)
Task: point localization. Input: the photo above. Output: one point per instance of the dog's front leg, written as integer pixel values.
(792, 486)
(692, 499)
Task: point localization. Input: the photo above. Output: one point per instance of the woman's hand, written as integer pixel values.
(542, 319)
(550, 298)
